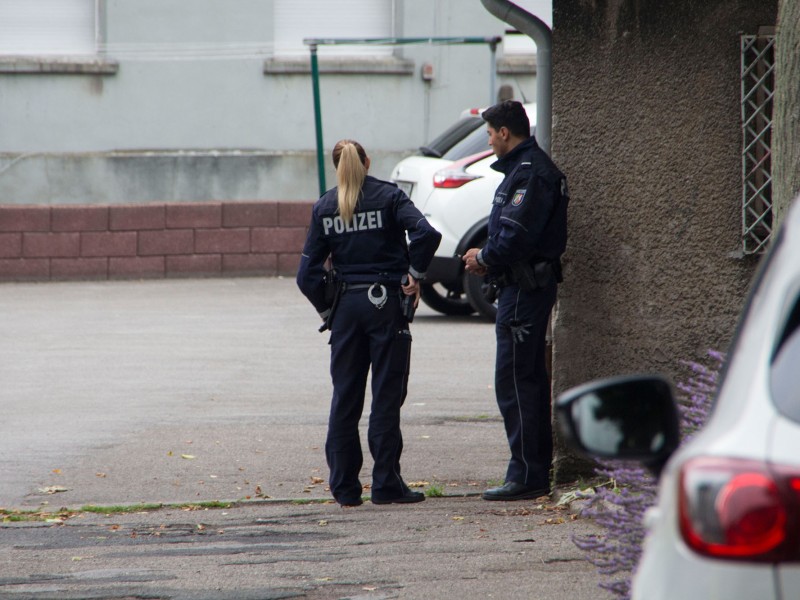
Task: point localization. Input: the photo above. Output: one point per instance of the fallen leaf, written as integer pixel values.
(53, 489)
(258, 490)
(169, 453)
(201, 527)
(457, 518)
(57, 471)
(418, 484)
(187, 456)
(317, 480)
(369, 589)
(99, 474)
(323, 523)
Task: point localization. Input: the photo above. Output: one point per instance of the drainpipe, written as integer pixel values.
(535, 28)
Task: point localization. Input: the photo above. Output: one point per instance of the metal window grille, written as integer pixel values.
(758, 89)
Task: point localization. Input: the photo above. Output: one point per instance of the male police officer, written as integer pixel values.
(527, 235)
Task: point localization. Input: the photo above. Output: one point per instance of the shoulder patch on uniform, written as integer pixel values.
(519, 196)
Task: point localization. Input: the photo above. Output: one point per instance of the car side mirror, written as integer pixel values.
(627, 418)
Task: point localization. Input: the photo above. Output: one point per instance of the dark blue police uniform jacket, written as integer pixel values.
(370, 248)
(529, 213)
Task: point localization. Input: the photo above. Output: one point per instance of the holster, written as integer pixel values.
(490, 291)
(331, 286)
(407, 302)
(333, 291)
(535, 276)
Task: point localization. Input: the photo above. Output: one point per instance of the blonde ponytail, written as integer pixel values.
(350, 160)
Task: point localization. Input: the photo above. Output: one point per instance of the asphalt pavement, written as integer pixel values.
(164, 439)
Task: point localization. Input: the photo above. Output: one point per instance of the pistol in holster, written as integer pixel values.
(407, 302)
(534, 276)
(490, 291)
(333, 290)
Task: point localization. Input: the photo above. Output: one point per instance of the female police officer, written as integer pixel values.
(361, 226)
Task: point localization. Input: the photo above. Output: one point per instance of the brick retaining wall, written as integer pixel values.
(39, 243)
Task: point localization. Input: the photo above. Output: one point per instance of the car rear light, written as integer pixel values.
(452, 178)
(740, 509)
(455, 175)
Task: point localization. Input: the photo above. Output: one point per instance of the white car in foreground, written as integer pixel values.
(727, 522)
(455, 192)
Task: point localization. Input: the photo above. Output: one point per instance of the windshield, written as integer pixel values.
(452, 135)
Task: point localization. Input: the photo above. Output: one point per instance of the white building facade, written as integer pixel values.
(115, 102)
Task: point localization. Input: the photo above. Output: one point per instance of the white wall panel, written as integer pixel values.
(44, 27)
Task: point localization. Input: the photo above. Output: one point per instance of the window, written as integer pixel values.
(784, 375)
(758, 88)
(517, 44)
(48, 27)
(296, 20)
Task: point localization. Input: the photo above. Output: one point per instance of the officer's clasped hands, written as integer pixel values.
(471, 262)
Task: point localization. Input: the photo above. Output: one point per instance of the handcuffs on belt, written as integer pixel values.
(377, 294)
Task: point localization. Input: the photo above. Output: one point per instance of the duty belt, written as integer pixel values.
(377, 293)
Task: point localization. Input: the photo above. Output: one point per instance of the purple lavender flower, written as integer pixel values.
(619, 506)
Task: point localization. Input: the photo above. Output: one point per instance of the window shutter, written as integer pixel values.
(299, 19)
(46, 27)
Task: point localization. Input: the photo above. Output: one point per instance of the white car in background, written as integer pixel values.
(454, 188)
(727, 521)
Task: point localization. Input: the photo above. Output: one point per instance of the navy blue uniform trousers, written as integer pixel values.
(363, 336)
(522, 385)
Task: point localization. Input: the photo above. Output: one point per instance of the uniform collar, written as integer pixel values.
(510, 160)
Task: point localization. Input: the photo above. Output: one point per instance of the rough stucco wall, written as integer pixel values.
(647, 129)
(786, 123)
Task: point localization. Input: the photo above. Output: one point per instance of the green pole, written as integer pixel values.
(313, 43)
(318, 120)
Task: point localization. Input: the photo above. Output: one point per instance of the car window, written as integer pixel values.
(475, 142)
(784, 374)
(451, 136)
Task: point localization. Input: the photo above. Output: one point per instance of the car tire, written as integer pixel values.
(449, 303)
(475, 290)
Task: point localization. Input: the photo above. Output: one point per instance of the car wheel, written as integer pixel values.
(445, 301)
(475, 290)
